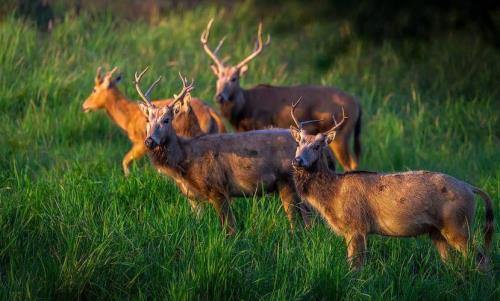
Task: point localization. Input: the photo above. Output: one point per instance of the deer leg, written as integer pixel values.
(225, 214)
(197, 207)
(290, 202)
(356, 247)
(136, 152)
(341, 150)
(441, 244)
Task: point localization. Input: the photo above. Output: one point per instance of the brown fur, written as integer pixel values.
(127, 115)
(267, 106)
(401, 204)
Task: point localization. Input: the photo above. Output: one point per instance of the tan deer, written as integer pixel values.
(267, 106)
(127, 115)
(402, 204)
(218, 167)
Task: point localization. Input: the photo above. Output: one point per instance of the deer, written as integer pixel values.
(401, 204)
(215, 168)
(265, 106)
(127, 116)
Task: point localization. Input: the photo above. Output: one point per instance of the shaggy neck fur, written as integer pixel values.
(236, 114)
(315, 181)
(170, 155)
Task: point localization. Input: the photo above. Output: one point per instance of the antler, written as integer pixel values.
(338, 124)
(259, 46)
(110, 73)
(144, 96)
(294, 105)
(186, 89)
(211, 54)
(300, 125)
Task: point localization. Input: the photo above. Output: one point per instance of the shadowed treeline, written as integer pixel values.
(375, 20)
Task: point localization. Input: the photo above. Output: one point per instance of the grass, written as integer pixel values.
(72, 227)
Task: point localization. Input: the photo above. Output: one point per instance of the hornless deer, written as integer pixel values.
(267, 106)
(401, 204)
(218, 167)
(128, 117)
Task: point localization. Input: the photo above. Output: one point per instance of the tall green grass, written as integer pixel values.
(72, 227)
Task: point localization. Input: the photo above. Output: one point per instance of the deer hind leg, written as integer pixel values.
(226, 215)
(356, 248)
(341, 150)
(137, 151)
(441, 244)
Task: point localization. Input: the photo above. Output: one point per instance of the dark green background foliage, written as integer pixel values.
(71, 226)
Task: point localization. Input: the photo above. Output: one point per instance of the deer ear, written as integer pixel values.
(330, 136)
(243, 69)
(144, 109)
(295, 133)
(214, 70)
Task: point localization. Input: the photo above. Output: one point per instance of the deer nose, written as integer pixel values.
(150, 143)
(219, 98)
(297, 161)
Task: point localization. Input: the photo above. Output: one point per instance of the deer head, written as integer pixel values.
(103, 91)
(310, 147)
(228, 77)
(159, 128)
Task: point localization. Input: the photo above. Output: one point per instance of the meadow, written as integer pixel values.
(72, 227)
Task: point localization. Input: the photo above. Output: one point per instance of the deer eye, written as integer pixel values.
(165, 121)
(233, 79)
(316, 146)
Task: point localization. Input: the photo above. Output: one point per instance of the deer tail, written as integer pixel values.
(489, 227)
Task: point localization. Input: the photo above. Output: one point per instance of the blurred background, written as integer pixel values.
(376, 20)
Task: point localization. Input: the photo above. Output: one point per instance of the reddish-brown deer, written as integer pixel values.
(402, 204)
(126, 114)
(267, 106)
(218, 167)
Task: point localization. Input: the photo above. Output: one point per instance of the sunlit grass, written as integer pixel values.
(71, 226)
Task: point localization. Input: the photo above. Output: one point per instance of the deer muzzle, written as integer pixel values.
(150, 143)
(298, 162)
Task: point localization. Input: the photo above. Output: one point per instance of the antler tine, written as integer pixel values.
(144, 96)
(216, 50)
(258, 49)
(294, 105)
(186, 88)
(338, 124)
(204, 41)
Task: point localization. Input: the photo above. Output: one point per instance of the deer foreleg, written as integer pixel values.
(226, 215)
(136, 152)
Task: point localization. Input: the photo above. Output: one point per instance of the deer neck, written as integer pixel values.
(313, 182)
(117, 108)
(238, 111)
(170, 155)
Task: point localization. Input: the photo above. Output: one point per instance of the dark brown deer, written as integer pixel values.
(128, 117)
(218, 167)
(267, 106)
(402, 204)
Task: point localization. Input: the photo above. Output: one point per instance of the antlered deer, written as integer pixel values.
(218, 167)
(128, 117)
(356, 204)
(267, 106)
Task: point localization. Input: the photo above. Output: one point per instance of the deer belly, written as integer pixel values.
(404, 225)
(254, 185)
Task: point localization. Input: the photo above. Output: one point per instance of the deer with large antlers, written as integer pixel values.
(267, 106)
(218, 167)
(403, 204)
(195, 119)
